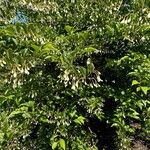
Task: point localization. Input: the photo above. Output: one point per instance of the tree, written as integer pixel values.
(74, 75)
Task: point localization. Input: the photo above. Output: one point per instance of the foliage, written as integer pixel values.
(69, 66)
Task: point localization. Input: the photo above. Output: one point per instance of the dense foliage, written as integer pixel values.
(74, 75)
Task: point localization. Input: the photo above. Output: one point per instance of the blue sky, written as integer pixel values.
(20, 17)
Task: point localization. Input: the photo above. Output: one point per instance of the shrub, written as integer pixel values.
(74, 75)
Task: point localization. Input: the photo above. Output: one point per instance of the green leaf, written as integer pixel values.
(110, 30)
(36, 48)
(79, 120)
(62, 144)
(28, 104)
(14, 113)
(134, 82)
(90, 66)
(132, 113)
(138, 89)
(44, 119)
(54, 145)
(1, 137)
(68, 28)
(82, 70)
(48, 47)
(144, 89)
(26, 115)
(89, 49)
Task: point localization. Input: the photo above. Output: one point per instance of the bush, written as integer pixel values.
(74, 75)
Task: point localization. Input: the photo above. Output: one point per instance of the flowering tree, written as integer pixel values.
(74, 74)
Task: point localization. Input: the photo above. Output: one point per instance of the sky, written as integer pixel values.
(20, 17)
